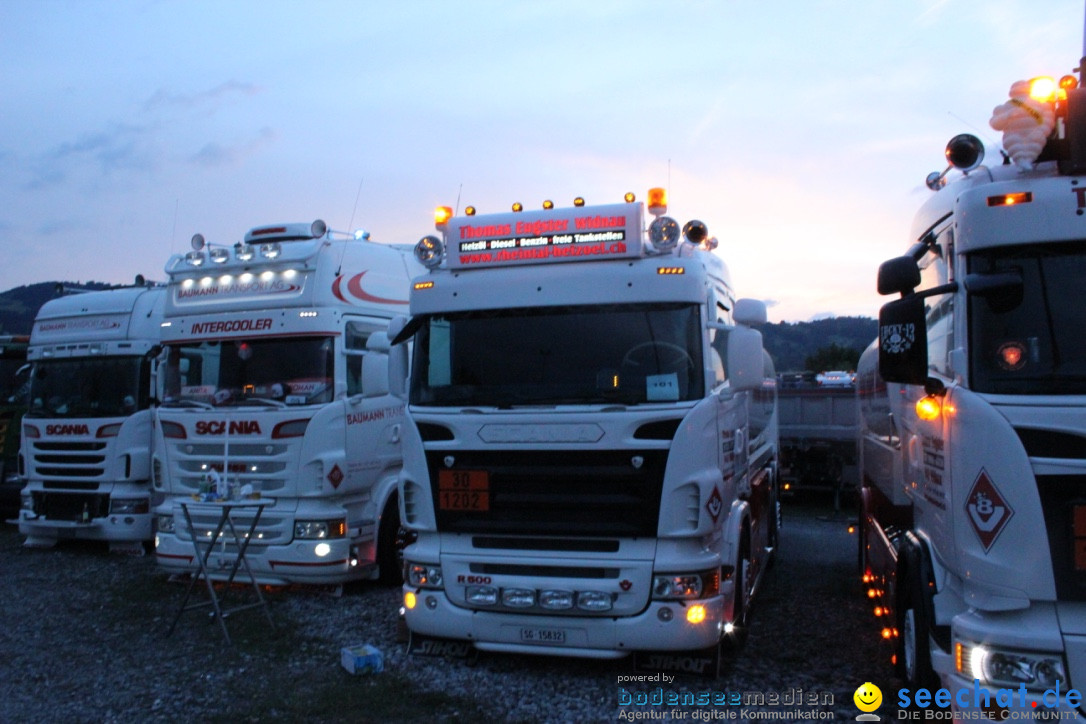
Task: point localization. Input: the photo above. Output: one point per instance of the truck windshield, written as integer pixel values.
(624, 354)
(1028, 339)
(89, 387)
(274, 372)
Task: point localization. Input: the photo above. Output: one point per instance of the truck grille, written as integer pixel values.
(68, 459)
(558, 492)
(262, 465)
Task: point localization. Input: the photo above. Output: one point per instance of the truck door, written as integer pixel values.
(374, 418)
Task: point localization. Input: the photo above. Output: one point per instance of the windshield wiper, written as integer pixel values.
(189, 403)
(261, 400)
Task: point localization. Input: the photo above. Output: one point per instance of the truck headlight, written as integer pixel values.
(1010, 669)
(423, 576)
(164, 523)
(683, 586)
(320, 529)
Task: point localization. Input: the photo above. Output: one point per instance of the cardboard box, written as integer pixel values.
(362, 659)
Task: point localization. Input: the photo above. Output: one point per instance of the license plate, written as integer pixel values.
(463, 490)
(543, 635)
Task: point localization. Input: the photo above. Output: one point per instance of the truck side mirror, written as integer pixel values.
(749, 312)
(903, 341)
(746, 360)
(900, 275)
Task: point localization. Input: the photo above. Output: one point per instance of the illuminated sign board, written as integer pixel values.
(541, 237)
(110, 326)
(210, 290)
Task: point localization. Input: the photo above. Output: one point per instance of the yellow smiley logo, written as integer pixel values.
(868, 697)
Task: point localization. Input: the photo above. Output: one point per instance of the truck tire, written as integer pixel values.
(388, 550)
(914, 619)
(732, 643)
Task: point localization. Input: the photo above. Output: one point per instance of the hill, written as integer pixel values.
(791, 343)
(18, 306)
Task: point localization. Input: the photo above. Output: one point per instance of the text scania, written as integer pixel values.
(237, 427)
(67, 430)
(233, 325)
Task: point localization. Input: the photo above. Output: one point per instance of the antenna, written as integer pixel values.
(350, 226)
(458, 192)
(357, 196)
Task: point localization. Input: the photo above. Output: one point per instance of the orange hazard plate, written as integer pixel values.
(1078, 530)
(463, 490)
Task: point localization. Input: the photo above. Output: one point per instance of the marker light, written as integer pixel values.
(664, 233)
(1042, 89)
(442, 214)
(410, 600)
(579, 201)
(548, 204)
(518, 207)
(470, 211)
(271, 250)
(629, 197)
(695, 614)
(1068, 82)
(928, 407)
(1021, 197)
(429, 251)
(657, 202)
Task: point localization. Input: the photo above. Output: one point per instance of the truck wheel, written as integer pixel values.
(914, 618)
(388, 551)
(733, 642)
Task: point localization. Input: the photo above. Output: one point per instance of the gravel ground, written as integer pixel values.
(83, 638)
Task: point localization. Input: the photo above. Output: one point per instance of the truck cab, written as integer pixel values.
(590, 441)
(276, 388)
(86, 435)
(973, 409)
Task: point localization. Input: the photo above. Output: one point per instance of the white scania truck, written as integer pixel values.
(276, 387)
(86, 436)
(973, 410)
(590, 447)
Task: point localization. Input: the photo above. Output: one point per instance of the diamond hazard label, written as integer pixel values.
(335, 476)
(987, 510)
(715, 504)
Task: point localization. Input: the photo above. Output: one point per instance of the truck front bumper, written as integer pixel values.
(307, 562)
(662, 626)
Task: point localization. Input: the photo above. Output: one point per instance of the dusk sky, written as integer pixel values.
(799, 131)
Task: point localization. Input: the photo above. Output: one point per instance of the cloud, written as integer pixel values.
(120, 147)
(212, 97)
(214, 155)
